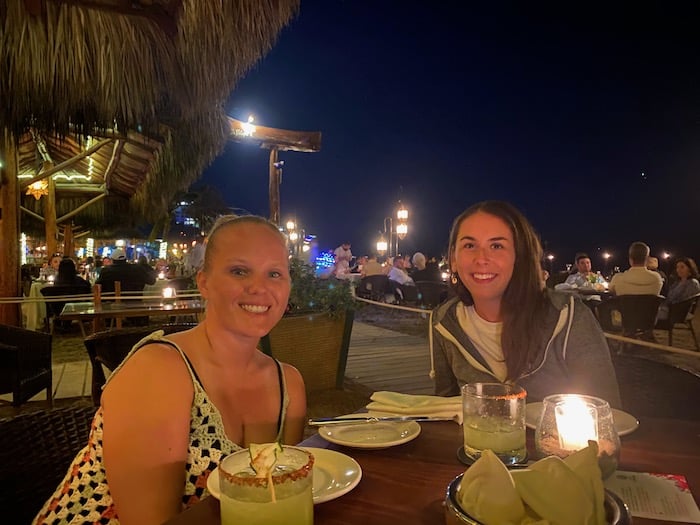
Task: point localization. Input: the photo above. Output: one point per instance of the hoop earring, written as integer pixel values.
(454, 279)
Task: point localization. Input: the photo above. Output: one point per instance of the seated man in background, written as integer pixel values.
(372, 266)
(584, 278)
(406, 291)
(423, 271)
(638, 280)
(133, 277)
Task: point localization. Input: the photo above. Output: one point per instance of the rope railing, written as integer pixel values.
(615, 337)
(650, 344)
(128, 296)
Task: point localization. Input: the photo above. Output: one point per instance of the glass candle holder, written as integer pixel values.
(247, 499)
(569, 421)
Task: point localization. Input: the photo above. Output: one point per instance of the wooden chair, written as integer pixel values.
(36, 450)
(109, 348)
(25, 364)
(680, 313)
(431, 293)
(656, 389)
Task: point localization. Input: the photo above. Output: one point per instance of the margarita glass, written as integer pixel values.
(494, 418)
(285, 498)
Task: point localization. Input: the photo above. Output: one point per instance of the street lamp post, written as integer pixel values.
(294, 237)
(402, 225)
(391, 246)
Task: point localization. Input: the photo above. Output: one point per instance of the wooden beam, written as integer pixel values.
(81, 208)
(65, 164)
(281, 139)
(30, 212)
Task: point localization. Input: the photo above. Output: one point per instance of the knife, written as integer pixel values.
(323, 421)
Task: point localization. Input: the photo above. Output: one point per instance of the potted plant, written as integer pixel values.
(314, 334)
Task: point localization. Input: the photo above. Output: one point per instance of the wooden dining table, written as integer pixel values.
(406, 484)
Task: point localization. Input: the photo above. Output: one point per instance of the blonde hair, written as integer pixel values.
(226, 221)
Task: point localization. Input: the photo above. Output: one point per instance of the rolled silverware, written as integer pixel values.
(324, 421)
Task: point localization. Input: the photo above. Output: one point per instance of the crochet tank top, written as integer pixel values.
(83, 495)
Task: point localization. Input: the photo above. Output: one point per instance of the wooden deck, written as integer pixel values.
(384, 359)
(379, 359)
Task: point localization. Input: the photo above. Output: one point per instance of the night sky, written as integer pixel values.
(587, 120)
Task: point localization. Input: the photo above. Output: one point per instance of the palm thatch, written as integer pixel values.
(77, 64)
(84, 68)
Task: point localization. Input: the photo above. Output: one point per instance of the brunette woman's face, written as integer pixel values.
(484, 257)
(682, 270)
(55, 261)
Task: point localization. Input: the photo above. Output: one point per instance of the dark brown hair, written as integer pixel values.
(524, 301)
(690, 263)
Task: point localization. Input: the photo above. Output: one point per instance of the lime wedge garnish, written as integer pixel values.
(263, 458)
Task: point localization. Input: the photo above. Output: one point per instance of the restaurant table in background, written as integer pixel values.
(157, 287)
(88, 312)
(406, 484)
(34, 310)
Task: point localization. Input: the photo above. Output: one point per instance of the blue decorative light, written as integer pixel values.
(325, 260)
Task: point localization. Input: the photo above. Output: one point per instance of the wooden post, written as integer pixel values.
(50, 215)
(274, 188)
(9, 228)
(275, 139)
(68, 240)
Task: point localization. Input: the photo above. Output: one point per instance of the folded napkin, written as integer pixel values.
(552, 490)
(415, 405)
(488, 494)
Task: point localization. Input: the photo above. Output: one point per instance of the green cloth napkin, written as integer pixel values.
(551, 491)
(416, 405)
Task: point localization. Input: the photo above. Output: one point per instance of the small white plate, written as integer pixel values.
(334, 474)
(624, 423)
(380, 434)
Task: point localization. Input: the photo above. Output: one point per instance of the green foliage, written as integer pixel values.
(313, 295)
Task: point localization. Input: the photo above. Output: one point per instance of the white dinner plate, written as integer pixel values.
(624, 423)
(380, 434)
(334, 474)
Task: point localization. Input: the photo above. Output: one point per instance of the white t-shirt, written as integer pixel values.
(486, 337)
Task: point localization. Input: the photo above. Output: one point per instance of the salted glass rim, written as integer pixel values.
(250, 481)
(516, 391)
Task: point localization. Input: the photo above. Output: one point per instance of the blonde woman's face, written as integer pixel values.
(247, 282)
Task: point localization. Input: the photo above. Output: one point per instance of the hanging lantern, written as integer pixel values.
(39, 188)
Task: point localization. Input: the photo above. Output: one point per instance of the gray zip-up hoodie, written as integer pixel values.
(575, 358)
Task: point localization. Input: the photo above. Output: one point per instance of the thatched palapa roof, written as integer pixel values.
(149, 76)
